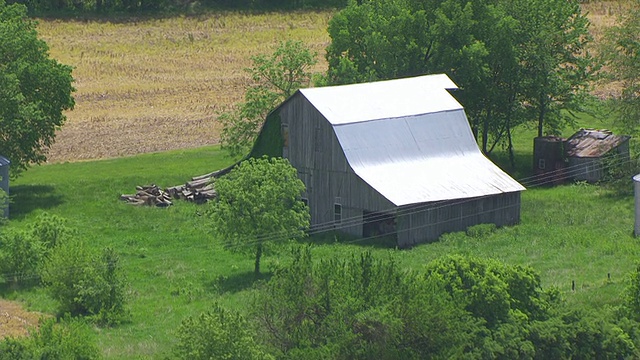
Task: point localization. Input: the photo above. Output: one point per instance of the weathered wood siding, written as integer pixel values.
(426, 222)
(585, 169)
(315, 151)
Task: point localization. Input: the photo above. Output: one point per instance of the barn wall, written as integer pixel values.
(426, 222)
(314, 150)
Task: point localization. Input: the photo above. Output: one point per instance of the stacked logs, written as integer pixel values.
(199, 190)
(150, 195)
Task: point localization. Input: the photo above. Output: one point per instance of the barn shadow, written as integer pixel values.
(334, 237)
(27, 198)
(237, 282)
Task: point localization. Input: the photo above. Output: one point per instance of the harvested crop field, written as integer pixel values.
(148, 85)
(156, 84)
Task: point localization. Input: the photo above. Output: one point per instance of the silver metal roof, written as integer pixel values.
(410, 140)
(383, 99)
(4, 161)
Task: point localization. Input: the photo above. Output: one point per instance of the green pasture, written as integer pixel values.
(177, 267)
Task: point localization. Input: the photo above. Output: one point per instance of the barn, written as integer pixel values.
(394, 158)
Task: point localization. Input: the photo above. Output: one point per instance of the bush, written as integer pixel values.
(64, 339)
(358, 308)
(20, 256)
(23, 252)
(217, 334)
(50, 230)
(86, 283)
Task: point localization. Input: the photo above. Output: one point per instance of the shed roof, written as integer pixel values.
(410, 140)
(4, 161)
(587, 143)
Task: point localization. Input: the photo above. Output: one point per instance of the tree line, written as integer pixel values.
(515, 61)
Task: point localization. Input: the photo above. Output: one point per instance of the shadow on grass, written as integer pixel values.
(237, 282)
(8, 288)
(380, 242)
(27, 198)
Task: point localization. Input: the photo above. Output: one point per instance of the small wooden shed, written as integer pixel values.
(393, 157)
(586, 149)
(4, 180)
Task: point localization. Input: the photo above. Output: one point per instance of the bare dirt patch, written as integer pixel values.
(14, 320)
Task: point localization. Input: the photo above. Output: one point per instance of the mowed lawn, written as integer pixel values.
(177, 266)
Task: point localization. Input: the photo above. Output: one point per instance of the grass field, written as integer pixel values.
(177, 267)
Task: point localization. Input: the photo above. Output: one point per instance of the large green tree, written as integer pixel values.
(622, 51)
(259, 206)
(35, 90)
(275, 77)
(514, 61)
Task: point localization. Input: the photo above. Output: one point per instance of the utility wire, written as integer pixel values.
(328, 227)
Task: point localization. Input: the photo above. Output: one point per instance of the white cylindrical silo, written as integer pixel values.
(636, 192)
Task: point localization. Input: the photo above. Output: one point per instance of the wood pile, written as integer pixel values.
(199, 190)
(150, 195)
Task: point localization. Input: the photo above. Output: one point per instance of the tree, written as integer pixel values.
(514, 61)
(259, 206)
(622, 53)
(275, 78)
(34, 90)
(556, 66)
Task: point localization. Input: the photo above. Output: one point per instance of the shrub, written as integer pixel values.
(23, 252)
(20, 256)
(64, 339)
(50, 230)
(86, 283)
(358, 308)
(217, 334)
